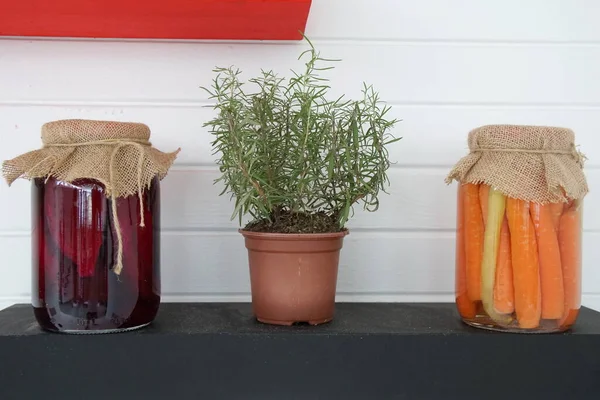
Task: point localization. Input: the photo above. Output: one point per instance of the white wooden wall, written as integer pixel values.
(445, 66)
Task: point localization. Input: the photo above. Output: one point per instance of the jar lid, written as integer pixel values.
(532, 163)
(117, 154)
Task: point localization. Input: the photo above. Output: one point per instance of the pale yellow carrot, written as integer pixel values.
(491, 244)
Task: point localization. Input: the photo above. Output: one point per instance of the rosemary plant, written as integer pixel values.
(293, 159)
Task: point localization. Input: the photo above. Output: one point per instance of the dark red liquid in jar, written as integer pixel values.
(74, 248)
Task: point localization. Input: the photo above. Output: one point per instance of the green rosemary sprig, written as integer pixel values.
(284, 146)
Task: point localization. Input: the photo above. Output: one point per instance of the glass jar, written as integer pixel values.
(519, 228)
(518, 263)
(74, 248)
(96, 216)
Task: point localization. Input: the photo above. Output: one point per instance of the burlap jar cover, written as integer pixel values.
(533, 163)
(117, 154)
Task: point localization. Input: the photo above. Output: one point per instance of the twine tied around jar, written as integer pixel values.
(119, 155)
(118, 144)
(573, 152)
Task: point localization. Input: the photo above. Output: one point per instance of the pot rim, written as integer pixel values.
(293, 236)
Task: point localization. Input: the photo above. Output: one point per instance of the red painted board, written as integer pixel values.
(156, 19)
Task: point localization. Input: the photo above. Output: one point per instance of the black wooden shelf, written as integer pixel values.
(370, 351)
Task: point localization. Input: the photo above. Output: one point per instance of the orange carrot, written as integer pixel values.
(474, 231)
(526, 271)
(569, 240)
(569, 319)
(466, 307)
(504, 292)
(551, 275)
(556, 211)
(484, 195)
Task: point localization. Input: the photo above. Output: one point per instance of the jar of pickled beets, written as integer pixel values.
(95, 225)
(519, 229)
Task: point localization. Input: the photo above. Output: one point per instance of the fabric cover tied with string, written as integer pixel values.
(532, 163)
(117, 154)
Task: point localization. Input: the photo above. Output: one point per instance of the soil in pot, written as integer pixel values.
(284, 221)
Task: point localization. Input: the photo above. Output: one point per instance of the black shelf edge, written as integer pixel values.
(369, 351)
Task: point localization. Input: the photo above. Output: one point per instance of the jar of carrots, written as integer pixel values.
(519, 229)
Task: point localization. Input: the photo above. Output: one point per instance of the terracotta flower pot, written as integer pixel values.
(293, 276)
